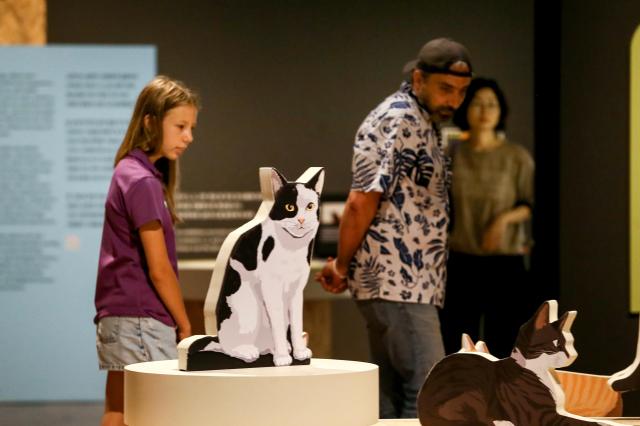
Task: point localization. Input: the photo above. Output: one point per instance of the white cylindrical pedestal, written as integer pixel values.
(327, 392)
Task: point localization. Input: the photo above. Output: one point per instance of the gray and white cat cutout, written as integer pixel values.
(253, 309)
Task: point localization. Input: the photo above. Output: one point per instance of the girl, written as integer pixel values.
(138, 298)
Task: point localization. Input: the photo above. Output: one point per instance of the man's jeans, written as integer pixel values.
(405, 342)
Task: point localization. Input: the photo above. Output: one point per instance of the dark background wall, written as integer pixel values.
(287, 83)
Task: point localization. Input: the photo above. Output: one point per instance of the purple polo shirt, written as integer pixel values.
(135, 198)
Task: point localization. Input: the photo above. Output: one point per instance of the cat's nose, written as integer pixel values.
(301, 220)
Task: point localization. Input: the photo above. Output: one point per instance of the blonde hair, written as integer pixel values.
(155, 100)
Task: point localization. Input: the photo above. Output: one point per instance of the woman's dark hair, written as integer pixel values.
(460, 116)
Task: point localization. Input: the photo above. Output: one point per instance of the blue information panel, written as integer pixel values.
(63, 113)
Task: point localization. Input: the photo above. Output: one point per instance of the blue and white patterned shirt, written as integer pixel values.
(403, 255)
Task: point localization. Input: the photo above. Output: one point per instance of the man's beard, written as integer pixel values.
(441, 114)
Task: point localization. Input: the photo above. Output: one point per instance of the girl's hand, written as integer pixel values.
(184, 331)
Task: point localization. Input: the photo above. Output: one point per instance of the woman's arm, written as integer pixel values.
(163, 276)
(518, 214)
(492, 237)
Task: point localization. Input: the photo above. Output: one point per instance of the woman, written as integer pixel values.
(492, 196)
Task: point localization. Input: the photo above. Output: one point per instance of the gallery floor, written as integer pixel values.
(88, 413)
(51, 414)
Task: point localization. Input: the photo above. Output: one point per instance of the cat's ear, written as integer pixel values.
(467, 343)
(277, 180)
(482, 347)
(541, 318)
(566, 321)
(317, 182)
(313, 179)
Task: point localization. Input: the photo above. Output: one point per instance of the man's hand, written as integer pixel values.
(332, 278)
(359, 211)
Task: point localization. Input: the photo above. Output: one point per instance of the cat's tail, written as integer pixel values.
(205, 343)
(193, 344)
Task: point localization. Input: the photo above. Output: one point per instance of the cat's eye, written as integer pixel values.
(289, 207)
(310, 206)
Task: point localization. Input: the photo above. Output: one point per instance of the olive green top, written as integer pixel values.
(485, 184)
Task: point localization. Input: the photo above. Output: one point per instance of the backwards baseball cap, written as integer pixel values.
(443, 56)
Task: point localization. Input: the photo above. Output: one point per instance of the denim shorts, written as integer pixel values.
(121, 341)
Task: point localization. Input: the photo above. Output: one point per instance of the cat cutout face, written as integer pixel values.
(295, 208)
(545, 336)
(256, 289)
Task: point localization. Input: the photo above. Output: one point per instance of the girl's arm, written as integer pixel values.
(163, 276)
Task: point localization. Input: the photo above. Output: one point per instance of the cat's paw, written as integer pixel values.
(280, 360)
(302, 354)
(247, 353)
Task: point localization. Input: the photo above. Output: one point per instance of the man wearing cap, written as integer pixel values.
(393, 233)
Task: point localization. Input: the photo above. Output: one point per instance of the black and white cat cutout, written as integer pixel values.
(472, 387)
(253, 309)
